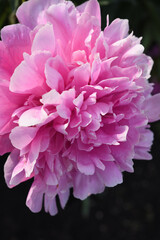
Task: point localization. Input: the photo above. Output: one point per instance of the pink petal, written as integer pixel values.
(84, 163)
(51, 97)
(6, 67)
(63, 196)
(53, 78)
(81, 76)
(111, 176)
(32, 117)
(92, 8)
(17, 40)
(117, 30)
(152, 108)
(5, 144)
(44, 40)
(25, 79)
(56, 15)
(9, 102)
(84, 185)
(35, 195)
(30, 13)
(22, 136)
(50, 205)
(10, 164)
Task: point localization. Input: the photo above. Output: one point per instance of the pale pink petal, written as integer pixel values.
(53, 78)
(84, 164)
(112, 175)
(84, 185)
(117, 30)
(22, 136)
(44, 40)
(93, 9)
(81, 76)
(63, 196)
(51, 98)
(50, 205)
(152, 108)
(32, 117)
(56, 14)
(30, 13)
(35, 195)
(10, 164)
(25, 79)
(5, 144)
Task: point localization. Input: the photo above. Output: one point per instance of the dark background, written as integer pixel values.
(128, 211)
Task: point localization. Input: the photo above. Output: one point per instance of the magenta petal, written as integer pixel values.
(6, 67)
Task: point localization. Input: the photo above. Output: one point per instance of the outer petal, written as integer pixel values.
(56, 15)
(152, 108)
(117, 30)
(17, 40)
(5, 144)
(35, 195)
(10, 164)
(9, 102)
(111, 176)
(30, 13)
(6, 68)
(50, 205)
(92, 8)
(84, 186)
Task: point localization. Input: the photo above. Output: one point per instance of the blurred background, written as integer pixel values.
(128, 211)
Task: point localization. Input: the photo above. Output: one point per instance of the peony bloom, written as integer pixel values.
(75, 101)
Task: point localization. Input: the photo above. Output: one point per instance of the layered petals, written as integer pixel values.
(76, 102)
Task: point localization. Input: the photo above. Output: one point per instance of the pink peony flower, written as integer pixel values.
(75, 101)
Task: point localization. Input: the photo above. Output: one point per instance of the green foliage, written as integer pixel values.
(8, 10)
